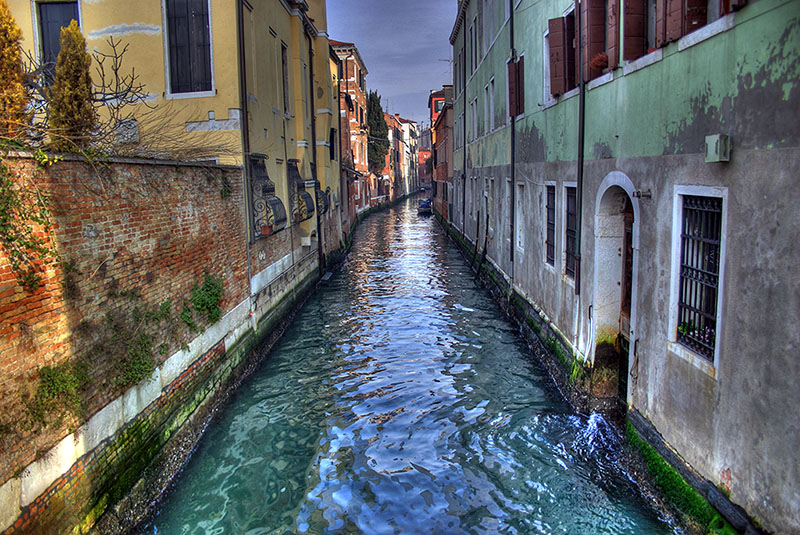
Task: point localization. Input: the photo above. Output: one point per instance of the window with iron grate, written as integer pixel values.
(571, 231)
(701, 238)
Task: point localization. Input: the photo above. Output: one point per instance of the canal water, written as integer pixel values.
(401, 401)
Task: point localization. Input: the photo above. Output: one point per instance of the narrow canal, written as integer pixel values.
(400, 401)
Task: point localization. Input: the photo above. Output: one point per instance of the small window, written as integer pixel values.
(285, 76)
(550, 239)
(700, 260)
(332, 144)
(570, 231)
(189, 46)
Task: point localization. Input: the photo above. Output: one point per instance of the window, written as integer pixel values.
(285, 75)
(491, 105)
(332, 143)
(571, 230)
(700, 261)
(519, 218)
(561, 53)
(189, 40)
(53, 17)
(550, 238)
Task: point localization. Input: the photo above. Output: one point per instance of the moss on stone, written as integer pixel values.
(671, 484)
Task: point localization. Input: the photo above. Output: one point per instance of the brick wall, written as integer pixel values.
(133, 235)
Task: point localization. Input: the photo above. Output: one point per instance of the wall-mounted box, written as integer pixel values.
(718, 148)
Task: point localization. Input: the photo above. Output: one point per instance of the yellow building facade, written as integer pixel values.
(238, 82)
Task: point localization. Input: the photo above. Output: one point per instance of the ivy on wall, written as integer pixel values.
(25, 224)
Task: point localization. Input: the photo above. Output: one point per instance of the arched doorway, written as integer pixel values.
(616, 260)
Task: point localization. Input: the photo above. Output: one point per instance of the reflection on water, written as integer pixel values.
(401, 402)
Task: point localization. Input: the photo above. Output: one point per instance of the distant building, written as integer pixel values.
(442, 184)
(355, 133)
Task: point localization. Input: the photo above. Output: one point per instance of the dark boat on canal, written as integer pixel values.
(424, 207)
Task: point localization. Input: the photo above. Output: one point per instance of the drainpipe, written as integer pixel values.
(313, 113)
(465, 135)
(581, 136)
(344, 187)
(513, 152)
(244, 125)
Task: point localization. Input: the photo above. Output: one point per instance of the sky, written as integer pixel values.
(405, 45)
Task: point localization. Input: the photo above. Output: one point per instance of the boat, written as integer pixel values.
(424, 207)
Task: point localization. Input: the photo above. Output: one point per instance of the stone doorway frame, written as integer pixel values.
(620, 180)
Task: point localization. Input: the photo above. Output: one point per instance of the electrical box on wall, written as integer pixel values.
(718, 148)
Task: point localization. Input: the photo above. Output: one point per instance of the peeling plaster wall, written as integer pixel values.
(648, 120)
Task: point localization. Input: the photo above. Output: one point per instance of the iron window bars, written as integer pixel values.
(571, 231)
(550, 243)
(701, 232)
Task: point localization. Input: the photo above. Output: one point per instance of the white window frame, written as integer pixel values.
(519, 218)
(677, 221)
(168, 94)
(547, 98)
(37, 37)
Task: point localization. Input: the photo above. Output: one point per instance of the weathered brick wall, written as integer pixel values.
(130, 237)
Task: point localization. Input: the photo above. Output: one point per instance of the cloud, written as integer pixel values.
(404, 45)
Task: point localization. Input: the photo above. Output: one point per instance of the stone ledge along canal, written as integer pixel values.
(401, 401)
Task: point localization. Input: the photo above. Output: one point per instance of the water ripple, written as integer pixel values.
(399, 402)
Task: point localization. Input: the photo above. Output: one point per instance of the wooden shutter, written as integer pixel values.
(661, 22)
(612, 30)
(53, 17)
(675, 16)
(696, 15)
(200, 46)
(521, 85)
(593, 17)
(634, 36)
(557, 44)
(512, 89)
(189, 45)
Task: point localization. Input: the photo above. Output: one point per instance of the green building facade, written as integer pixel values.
(669, 233)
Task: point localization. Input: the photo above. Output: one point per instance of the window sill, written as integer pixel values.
(692, 358)
(640, 63)
(600, 80)
(561, 98)
(722, 24)
(197, 94)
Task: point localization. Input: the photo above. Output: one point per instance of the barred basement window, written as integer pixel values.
(550, 241)
(571, 231)
(701, 236)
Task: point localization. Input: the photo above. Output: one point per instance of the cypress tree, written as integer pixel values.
(13, 95)
(72, 115)
(378, 133)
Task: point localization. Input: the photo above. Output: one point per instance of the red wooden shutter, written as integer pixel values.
(634, 40)
(593, 17)
(675, 16)
(512, 89)
(557, 45)
(661, 22)
(696, 15)
(613, 34)
(521, 85)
